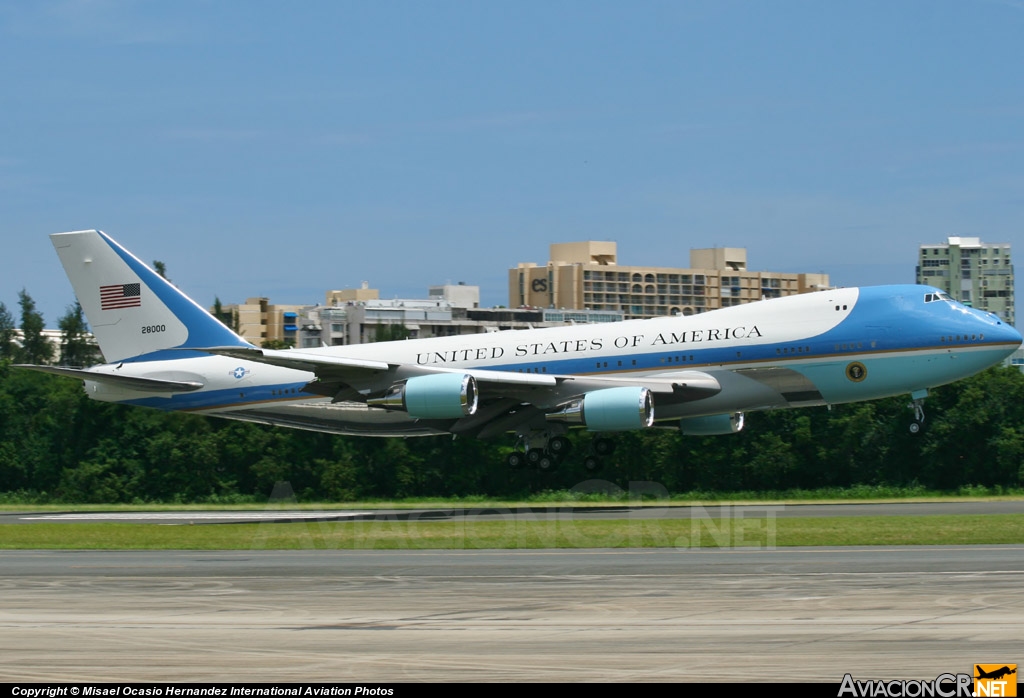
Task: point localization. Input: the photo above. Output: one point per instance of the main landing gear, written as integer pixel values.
(541, 450)
(545, 451)
(600, 447)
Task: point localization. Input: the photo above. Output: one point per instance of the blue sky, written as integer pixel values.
(283, 149)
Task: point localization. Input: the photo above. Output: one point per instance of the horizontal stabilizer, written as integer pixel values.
(149, 385)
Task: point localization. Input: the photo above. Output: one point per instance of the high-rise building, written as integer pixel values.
(587, 275)
(976, 273)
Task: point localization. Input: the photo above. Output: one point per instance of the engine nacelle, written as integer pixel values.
(437, 396)
(712, 424)
(611, 409)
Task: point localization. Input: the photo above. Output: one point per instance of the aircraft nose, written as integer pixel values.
(1012, 334)
(1000, 332)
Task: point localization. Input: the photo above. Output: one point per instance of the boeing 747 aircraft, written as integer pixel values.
(698, 373)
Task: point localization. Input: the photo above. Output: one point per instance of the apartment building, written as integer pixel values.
(976, 273)
(587, 275)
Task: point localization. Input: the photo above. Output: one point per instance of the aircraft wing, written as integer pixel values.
(346, 378)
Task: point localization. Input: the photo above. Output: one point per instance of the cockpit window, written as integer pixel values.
(940, 296)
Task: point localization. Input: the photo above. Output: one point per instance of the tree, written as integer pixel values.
(228, 318)
(75, 347)
(160, 268)
(35, 347)
(7, 333)
(390, 333)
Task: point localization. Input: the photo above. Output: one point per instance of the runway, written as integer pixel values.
(281, 514)
(793, 614)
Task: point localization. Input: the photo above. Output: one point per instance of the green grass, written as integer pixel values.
(513, 534)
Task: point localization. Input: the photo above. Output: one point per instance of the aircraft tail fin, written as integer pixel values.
(132, 310)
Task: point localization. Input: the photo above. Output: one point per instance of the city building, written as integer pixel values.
(260, 321)
(976, 273)
(587, 275)
(55, 338)
(582, 283)
(358, 316)
(1017, 359)
(455, 311)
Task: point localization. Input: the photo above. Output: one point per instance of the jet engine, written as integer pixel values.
(610, 409)
(712, 424)
(437, 396)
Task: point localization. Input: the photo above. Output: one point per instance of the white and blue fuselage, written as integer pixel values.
(828, 347)
(701, 372)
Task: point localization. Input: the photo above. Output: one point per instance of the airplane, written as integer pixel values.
(995, 674)
(699, 374)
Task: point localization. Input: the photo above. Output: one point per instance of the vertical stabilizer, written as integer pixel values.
(131, 309)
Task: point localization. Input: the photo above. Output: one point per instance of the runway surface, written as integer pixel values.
(795, 614)
(285, 514)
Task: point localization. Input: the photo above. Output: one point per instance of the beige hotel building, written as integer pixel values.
(588, 275)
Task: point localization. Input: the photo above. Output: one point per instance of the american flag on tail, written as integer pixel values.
(120, 296)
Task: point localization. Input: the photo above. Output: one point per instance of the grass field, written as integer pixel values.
(519, 534)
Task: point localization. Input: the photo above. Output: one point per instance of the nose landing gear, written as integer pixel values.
(918, 397)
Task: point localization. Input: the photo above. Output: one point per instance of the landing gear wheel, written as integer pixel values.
(546, 464)
(558, 446)
(533, 456)
(515, 460)
(915, 427)
(603, 446)
(591, 464)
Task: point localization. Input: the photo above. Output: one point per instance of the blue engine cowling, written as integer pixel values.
(610, 409)
(712, 424)
(437, 396)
